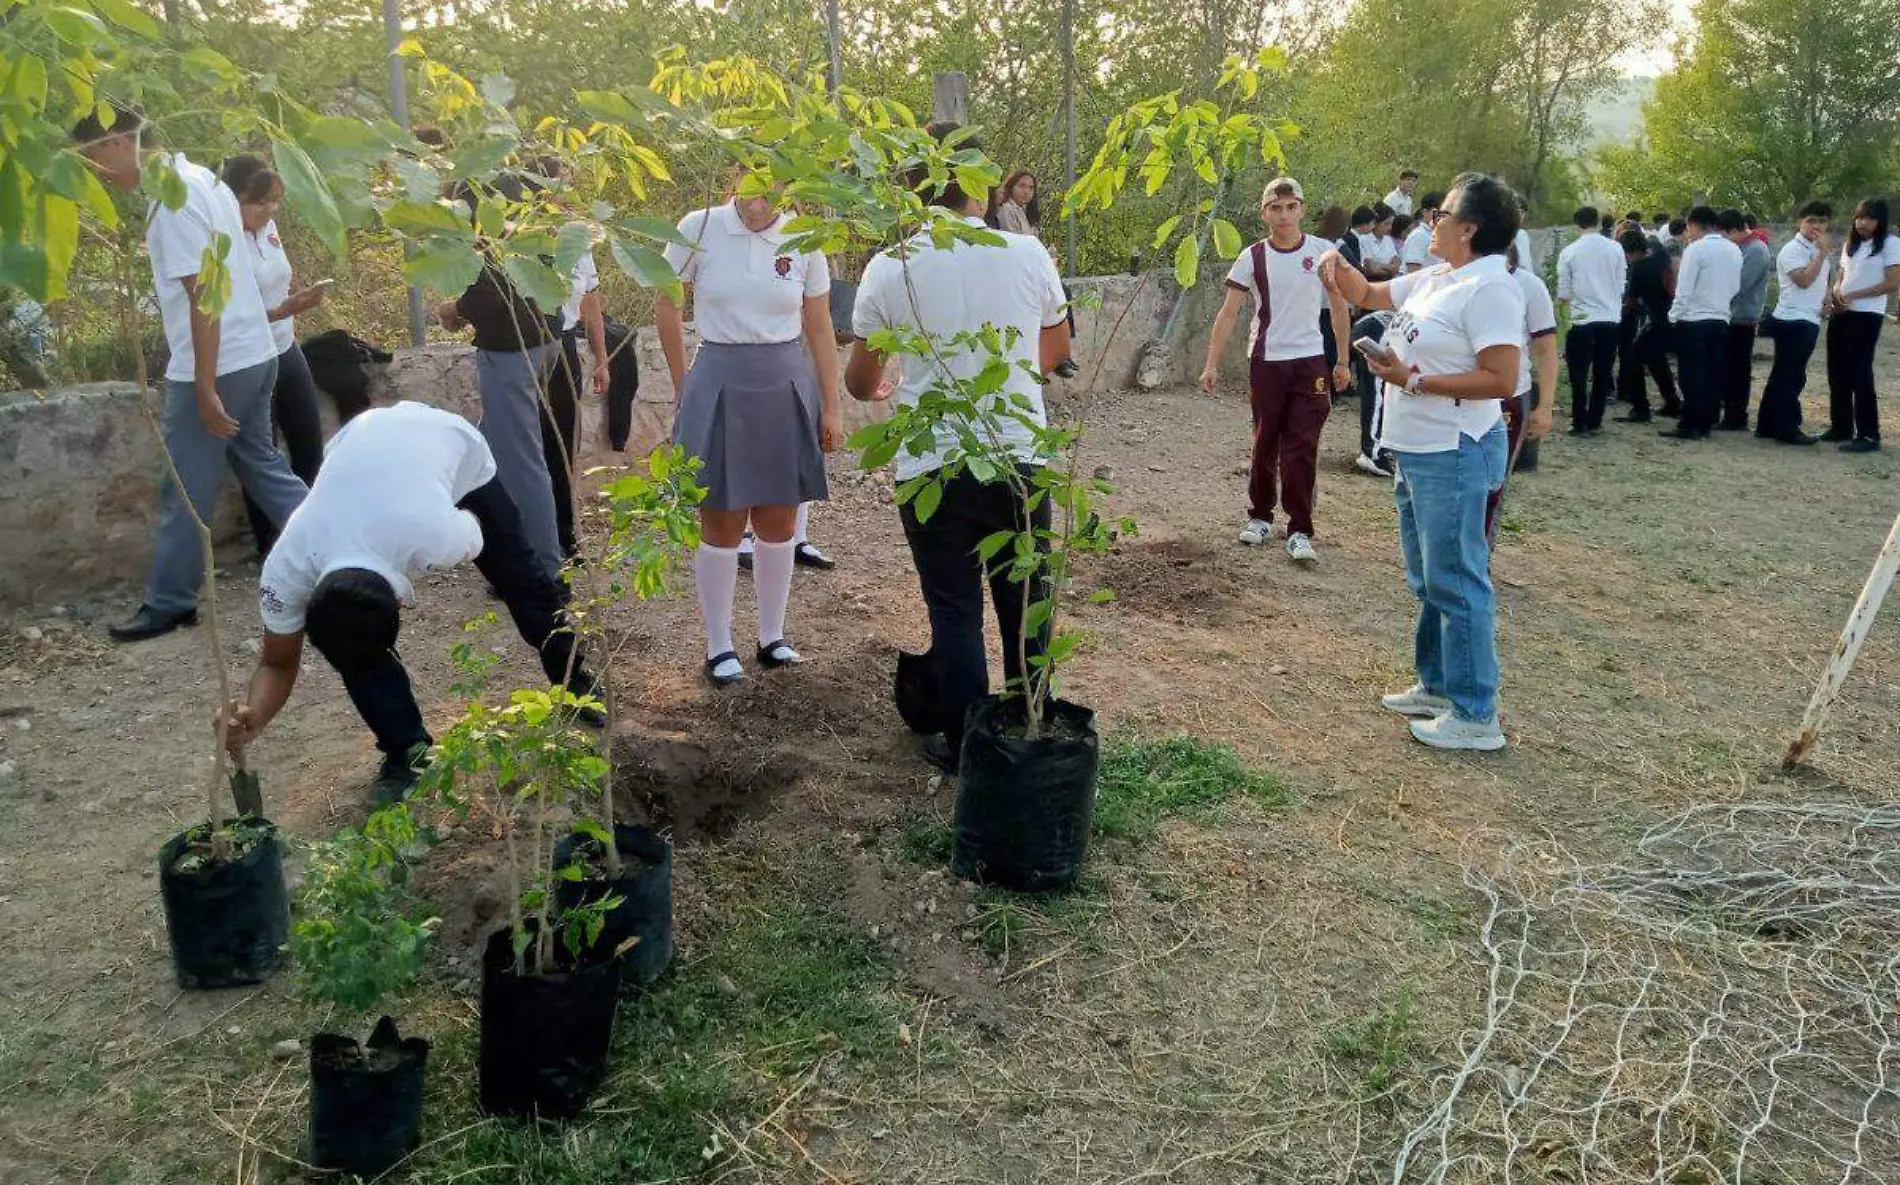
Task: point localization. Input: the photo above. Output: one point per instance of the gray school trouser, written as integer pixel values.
(178, 566)
(510, 383)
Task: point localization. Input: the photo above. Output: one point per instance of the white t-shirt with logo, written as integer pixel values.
(1399, 202)
(1592, 273)
(747, 288)
(959, 290)
(586, 278)
(1540, 320)
(1293, 301)
(1866, 268)
(1796, 303)
(1418, 247)
(385, 500)
(272, 268)
(176, 241)
(1445, 319)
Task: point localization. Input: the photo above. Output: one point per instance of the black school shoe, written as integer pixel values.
(712, 670)
(1861, 445)
(939, 754)
(1634, 418)
(1683, 434)
(398, 778)
(807, 555)
(774, 655)
(151, 623)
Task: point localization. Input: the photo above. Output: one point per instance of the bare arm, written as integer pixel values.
(270, 688)
(864, 372)
(1217, 338)
(1806, 276)
(595, 320)
(1054, 346)
(822, 341)
(206, 334)
(1351, 285)
(1342, 339)
(1544, 368)
(672, 329)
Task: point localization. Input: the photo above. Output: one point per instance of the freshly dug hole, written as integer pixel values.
(693, 791)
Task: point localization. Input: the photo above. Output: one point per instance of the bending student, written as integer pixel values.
(405, 490)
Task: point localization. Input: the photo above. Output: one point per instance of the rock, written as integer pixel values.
(32, 633)
(918, 907)
(936, 783)
(876, 932)
(286, 1050)
(724, 985)
(254, 645)
(1104, 473)
(47, 795)
(1276, 669)
(234, 1030)
(6, 771)
(903, 1035)
(23, 724)
(930, 906)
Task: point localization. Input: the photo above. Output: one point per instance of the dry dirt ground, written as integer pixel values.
(1250, 995)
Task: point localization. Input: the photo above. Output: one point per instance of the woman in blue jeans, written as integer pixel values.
(1452, 357)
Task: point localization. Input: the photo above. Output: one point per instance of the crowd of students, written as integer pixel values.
(1430, 307)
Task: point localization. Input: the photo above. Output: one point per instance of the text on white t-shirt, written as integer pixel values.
(1446, 318)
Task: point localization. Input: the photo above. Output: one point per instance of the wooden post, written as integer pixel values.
(950, 98)
(1848, 648)
(1068, 131)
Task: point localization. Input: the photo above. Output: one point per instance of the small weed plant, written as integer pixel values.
(1144, 781)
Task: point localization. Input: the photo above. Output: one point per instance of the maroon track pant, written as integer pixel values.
(1291, 401)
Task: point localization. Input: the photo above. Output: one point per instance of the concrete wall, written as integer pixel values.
(80, 470)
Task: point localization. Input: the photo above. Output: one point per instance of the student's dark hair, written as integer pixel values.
(249, 177)
(1634, 242)
(1677, 226)
(1381, 212)
(1408, 174)
(1659, 217)
(1362, 215)
(1876, 209)
(1402, 224)
(512, 187)
(1750, 221)
(352, 619)
(1730, 220)
(950, 195)
(91, 130)
(1491, 207)
(1633, 216)
(1704, 217)
(1332, 222)
(1814, 210)
(1607, 224)
(1433, 200)
(1585, 218)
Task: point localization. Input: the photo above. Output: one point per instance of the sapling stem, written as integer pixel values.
(515, 920)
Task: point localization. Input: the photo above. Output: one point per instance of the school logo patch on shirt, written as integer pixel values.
(1308, 262)
(783, 265)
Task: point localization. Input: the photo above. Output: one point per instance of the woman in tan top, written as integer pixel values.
(1013, 208)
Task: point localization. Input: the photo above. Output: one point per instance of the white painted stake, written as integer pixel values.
(1848, 648)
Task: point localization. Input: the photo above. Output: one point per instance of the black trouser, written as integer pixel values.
(1738, 373)
(560, 434)
(1652, 355)
(293, 409)
(1780, 414)
(1629, 366)
(535, 600)
(1590, 353)
(1699, 349)
(944, 550)
(1851, 339)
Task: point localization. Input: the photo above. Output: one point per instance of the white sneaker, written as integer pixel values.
(1449, 732)
(1371, 465)
(1299, 547)
(1416, 701)
(1256, 532)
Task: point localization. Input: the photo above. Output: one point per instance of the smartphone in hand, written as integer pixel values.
(1376, 351)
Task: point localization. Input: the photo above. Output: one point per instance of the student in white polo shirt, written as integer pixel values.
(1803, 267)
(1591, 274)
(1399, 201)
(1418, 244)
(1287, 370)
(947, 292)
(1868, 276)
(759, 408)
(218, 383)
(1707, 279)
(405, 490)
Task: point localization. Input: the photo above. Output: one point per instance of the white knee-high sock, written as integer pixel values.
(804, 515)
(716, 572)
(772, 576)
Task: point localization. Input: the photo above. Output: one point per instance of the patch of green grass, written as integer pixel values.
(925, 839)
(1378, 1046)
(1006, 920)
(1144, 781)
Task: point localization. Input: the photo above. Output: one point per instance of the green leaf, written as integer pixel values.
(1101, 596)
(76, 26)
(647, 267)
(536, 280)
(129, 17)
(480, 157)
(1187, 262)
(59, 230)
(1165, 231)
(1226, 238)
(210, 65)
(426, 218)
(929, 497)
(498, 89)
(421, 182)
(161, 182)
(214, 276)
(575, 240)
(658, 229)
(307, 194)
(608, 106)
(444, 266)
(23, 266)
(991, 544)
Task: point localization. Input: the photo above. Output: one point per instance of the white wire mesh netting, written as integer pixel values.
(1724, 1010)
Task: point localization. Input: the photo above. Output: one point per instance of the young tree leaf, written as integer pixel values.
(647, 267)
(1165, 231)
(444, 265)
(1226, 238)
(1187, 262)
(536, 280)
(575, 240)
(307, 194)
(929, 497)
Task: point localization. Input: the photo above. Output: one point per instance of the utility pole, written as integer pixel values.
(1068, 130)
(399, 107)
